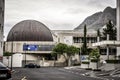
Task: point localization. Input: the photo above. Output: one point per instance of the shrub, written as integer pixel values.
(113, 61)
(76, 64)
(94, 60)
(85, 62)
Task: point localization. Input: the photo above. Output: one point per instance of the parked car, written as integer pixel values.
(32, 65)
(5, 72)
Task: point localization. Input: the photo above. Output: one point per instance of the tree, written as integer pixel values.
(95, 55)
(98, 33)
(84, 46)
(63, 49)
(98, 38)
(110, 30)
(71, 50)
(60, 49)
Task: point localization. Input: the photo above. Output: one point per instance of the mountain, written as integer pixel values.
(99, 19)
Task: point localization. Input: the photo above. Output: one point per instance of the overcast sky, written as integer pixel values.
(55, 14)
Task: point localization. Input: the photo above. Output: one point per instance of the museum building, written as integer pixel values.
(30, 41)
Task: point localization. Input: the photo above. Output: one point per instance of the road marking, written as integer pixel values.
(24, 78)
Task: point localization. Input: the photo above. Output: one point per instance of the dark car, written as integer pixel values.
(32, 65)
(5, 72)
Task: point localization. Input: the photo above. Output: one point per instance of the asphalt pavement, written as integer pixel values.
(50, 74)
(67, 73)
(104, 75)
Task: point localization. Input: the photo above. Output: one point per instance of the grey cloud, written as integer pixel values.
(75, 10)
(63, 26)
(101, 3)
(56, 14)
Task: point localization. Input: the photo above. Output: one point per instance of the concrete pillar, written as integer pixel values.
(108, 47)
(118, 25)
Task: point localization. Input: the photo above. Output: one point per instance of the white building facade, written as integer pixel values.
(118, 25)
(69, 37)
(113, 43)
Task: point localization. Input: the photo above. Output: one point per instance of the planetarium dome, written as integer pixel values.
(29, 30)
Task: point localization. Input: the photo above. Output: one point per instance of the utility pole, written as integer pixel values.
(25, 52)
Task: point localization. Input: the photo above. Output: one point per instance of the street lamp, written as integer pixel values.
(12, 49)
(12, 52)
(25, 52)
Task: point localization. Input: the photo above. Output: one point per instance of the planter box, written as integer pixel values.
(84, 64)
(93, 65)
(111, 64)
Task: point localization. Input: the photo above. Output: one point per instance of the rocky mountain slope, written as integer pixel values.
(99, 19)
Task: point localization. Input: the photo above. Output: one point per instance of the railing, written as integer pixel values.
(107, 43)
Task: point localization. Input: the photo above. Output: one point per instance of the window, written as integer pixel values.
(76, 39)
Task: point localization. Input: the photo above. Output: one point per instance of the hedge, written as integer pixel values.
(94, 60)
(113, 61)
(85, 62)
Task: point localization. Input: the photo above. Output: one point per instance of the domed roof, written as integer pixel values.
(29, 30)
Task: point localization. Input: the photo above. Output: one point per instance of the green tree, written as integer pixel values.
(60, 49)
(71, 50)
(98, 33)
(98, 38)
(95, 55)
(110, 30)
(84, 46)
(65, 50)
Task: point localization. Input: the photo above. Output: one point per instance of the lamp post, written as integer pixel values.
(13, 34)
(107, 47)
(12, 52)
(25, 52)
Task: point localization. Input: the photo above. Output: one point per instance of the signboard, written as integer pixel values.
(33, 47)
(30, 47)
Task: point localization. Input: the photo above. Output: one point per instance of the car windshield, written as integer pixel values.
(2, 65)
